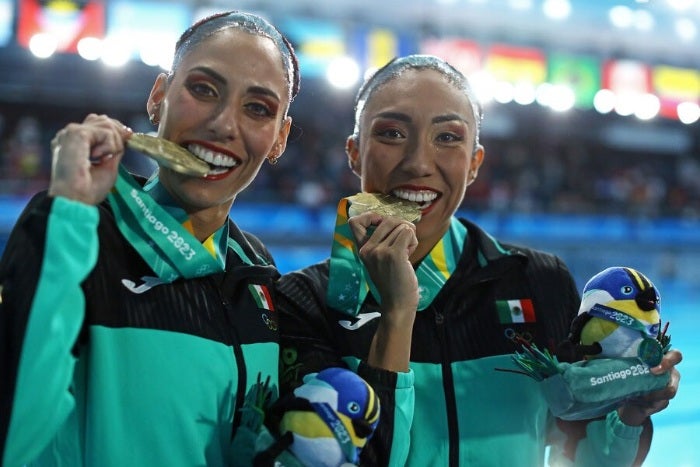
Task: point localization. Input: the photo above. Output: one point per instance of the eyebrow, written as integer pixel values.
(395, 116)
(449, 118)
(406, 118)
(261, 90)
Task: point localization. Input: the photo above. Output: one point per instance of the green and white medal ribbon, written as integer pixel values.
(440, 263)
(349, 282)
(165, 244)
(650, 350)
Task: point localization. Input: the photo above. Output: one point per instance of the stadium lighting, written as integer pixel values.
(43, 45)
(343, 72)
(686, 29)
(626, 103)
(604, 101)
(648, 106)
(556, 9)
(520, 5)
(482, 84)
(524, 93)
(503, 92)
(90, 48)
(115, 54)
(688, 112)
(562, 98)
(557, 97)
(643, 20)
(157, 54)
(621, 16)
(680, 5)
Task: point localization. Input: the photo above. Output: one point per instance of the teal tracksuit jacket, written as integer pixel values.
(100, 365)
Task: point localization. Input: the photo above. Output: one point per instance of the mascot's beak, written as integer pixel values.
(647, 299)
(362, 427)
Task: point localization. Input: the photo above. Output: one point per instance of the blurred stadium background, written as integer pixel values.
(591, 126)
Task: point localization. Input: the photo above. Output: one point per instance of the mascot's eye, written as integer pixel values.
(353, 407)
(627, 289)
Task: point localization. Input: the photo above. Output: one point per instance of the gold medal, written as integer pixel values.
(385, 205)
(168, 154)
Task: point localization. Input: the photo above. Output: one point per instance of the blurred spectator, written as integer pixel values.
(535, 175)
(24, 166)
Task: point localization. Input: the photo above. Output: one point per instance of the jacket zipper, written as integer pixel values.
(448, 388)
(241, 382)
(241, 376)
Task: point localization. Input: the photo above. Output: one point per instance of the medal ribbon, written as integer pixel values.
(166, 245)
(438, 266)
(623, 319)
(650, 350)
(336, 426)
(349, 282)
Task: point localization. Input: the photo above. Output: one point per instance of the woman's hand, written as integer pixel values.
(86, 157)
(385, 245)
(634, 412)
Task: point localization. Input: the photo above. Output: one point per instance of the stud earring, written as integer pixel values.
(154, 115)
(272, 160)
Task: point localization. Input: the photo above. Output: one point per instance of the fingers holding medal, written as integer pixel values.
(168, 154)
(380, 219)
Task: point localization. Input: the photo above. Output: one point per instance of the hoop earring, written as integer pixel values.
(153, 119)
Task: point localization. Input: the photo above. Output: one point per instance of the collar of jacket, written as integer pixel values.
(492, 257)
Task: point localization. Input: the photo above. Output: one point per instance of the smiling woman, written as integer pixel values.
(417, 309)
(126, 303)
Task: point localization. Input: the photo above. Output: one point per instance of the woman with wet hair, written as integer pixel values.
(428, 311)
(135, 316)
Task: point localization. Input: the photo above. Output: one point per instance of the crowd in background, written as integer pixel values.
(521, 175)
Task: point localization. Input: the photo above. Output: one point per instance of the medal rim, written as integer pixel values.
(650, 351)
(168, 154)
(384, 204)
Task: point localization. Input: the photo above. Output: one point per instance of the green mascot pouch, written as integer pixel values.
(592, 388)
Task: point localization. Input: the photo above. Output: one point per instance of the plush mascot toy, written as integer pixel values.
(619, 316)
(326, 422)
(614, 340)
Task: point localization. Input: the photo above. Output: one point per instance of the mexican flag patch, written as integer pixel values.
(262, 296)
(515, 311)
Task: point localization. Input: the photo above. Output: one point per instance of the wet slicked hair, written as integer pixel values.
(248, 22)
(398, 66)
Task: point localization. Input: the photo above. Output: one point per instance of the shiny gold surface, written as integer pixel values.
(385, 205)
(168, 154)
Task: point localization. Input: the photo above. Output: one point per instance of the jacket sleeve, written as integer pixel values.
(392, 440)
(50, 251)
(309, 343)
(600, 442)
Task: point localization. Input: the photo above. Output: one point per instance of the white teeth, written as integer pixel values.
(421, 196)
(214, 158)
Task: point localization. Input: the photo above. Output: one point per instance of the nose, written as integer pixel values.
(419, 157)
(224, 122)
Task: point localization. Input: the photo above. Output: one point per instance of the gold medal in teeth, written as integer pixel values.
(385, 205)
(168, 154)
